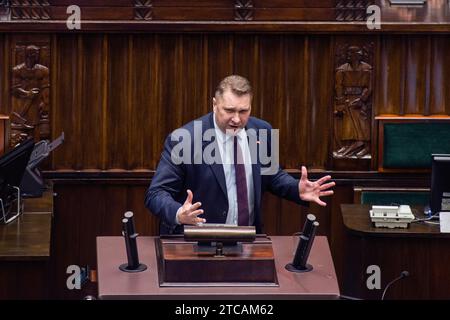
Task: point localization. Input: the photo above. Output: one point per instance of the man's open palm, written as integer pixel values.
(312, 191)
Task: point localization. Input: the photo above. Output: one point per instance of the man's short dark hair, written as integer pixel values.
(236, 84)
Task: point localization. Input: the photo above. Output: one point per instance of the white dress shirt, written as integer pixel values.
(226, 148)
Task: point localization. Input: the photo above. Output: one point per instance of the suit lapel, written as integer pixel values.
(217, 168)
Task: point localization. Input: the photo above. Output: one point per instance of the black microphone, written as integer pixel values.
(299, 264)
(402, 275)
(128, 232)
(307, 228)
(129, 215)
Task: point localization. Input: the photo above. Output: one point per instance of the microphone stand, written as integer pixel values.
(130, 236)
(299, 264)
(402, 275)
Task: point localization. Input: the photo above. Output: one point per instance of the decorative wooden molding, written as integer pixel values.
(143, 10)
(30, 93)
(353, 101)
(30, 10)
(243, 10)
(352, 10)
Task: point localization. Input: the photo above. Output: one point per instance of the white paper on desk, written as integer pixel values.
(444, 219)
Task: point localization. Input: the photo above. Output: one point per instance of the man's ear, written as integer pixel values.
(214, 104)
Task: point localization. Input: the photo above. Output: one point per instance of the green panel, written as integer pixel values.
(395, 198)
(410, 145)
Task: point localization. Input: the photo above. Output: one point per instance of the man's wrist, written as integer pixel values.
(176, 215)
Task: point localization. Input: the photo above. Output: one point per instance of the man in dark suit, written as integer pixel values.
(214, 169)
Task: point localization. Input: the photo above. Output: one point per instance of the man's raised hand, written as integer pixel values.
(312, 191)
(188, 213)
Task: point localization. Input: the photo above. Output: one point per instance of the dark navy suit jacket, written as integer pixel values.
(167, 191)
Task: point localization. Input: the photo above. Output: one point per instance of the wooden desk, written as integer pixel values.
(25, 251)
(420, 249)
(321, 283)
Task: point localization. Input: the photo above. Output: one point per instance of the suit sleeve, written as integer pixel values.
(285, 186)
(166, 184)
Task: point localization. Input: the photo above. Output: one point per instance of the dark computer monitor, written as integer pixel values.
(440, 183)
(12, 168)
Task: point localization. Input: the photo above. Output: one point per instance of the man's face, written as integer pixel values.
(232, 111)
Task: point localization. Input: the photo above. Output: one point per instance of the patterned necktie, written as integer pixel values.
(241, 185)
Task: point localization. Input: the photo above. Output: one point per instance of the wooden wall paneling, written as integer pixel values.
(146, 223)
(319, 92)
(159, 128)
(103, 88)
(246, 62)
(394, 261)
(295, 109)
(65, 249)
(66, 100)
(91, 107)
(135, 139)
(5, 108)
(192, 76)
(446, 68)
(438, 276)
(343, 193)
(170, 94)
(53, 79)
(292, 217)
(390, 88)
(165, 93)
(115, 207)
(347, 262)
(146, 114)
(27, 280)
(420, 275)
(272, 85)
(416, 84)
(271, 215)
(5, 74)
(79, 220)
(119, 87)
(376, 100)
(246, 55)
(220, 60)
(440, 75)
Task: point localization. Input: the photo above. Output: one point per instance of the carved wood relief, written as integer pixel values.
(30, 91)
(30, 9)
(243, 10)
(143, 10)
(353, 101)
(352, 10)
(4, 10)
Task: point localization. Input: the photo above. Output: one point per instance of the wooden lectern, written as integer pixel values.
(251, 263)
(320, 283)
